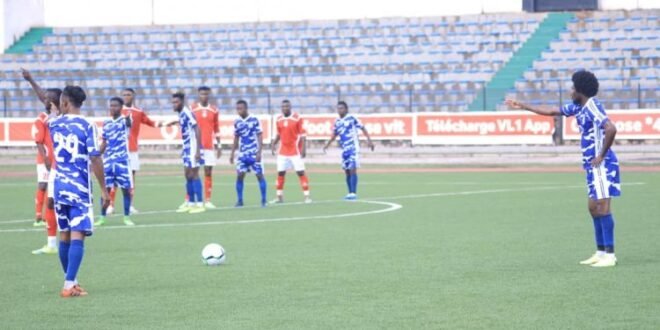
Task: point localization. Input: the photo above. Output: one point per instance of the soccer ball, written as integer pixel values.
(213, 255)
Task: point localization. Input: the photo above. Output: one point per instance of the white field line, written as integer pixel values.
(390, 207)
(370, 183)
(368, 200)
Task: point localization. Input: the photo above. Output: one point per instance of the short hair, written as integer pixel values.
(243, 102)
(179, 95)
(128, 89)
(75, 94)
(203, 88)
(117, 99)
(343, 103)
(286, 101)
(585, 83)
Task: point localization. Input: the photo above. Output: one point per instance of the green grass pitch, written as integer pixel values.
(420, 250)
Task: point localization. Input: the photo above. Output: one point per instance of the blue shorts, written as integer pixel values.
(118, 174)
(350, 160)
(75, 218)
(603, 181)
(247, 163)
(189, 160)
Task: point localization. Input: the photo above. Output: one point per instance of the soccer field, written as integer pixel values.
(420, 249)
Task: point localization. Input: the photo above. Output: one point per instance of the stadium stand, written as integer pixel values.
(379, 65)
(376, 64)
(620, 47)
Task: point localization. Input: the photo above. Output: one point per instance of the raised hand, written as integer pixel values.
(26, 74)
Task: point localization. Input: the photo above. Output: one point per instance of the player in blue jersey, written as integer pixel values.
(190, 154)
(248, 140)
(76, 152)
(347, 128)
(114, 147)
(598, 159)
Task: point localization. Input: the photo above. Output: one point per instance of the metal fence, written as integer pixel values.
(367, 98)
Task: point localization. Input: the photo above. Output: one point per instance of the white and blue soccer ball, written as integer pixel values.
(213, 254)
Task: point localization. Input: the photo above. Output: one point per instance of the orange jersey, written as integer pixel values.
(208, 119)
(42, 136)
(138, 117)
(290, 129)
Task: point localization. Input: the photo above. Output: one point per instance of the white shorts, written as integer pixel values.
(209, 156)
(134, 161)
(42, 173)
(51, 183)
(290, 162)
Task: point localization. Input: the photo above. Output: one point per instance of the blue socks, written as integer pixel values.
(607, 223)
(127, 201)
(262, 188)
(598, 233)
(239, 190)
(240, 184)
(76, 252)
(64, 255)
(194, 190)
(197, 189)
(351, 182)
(190, 191)
(354, 182)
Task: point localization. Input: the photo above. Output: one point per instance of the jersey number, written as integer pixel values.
(67, 143)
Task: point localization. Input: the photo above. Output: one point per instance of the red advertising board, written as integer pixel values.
(510, 127)
(432, 128)
(380, 127)
(630, 124)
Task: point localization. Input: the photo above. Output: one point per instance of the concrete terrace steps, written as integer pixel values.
(31, 38)
(522, 59)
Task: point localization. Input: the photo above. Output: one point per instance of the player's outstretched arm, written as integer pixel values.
(35, 87)
(97, 168)
(544, 111)
(369, 143)
(168, 123)
(327, 145)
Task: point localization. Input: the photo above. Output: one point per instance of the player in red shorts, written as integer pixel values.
(208, 119)
(291, 134)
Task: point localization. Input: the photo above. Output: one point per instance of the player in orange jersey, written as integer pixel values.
(208, 119)
(45, 164)
(292, 150)
(138, 117)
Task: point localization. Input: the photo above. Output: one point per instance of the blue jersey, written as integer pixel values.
(590, 120)
(247, 130)
(74, 141)
(347, 129)
(188, 124)
(115, 134)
